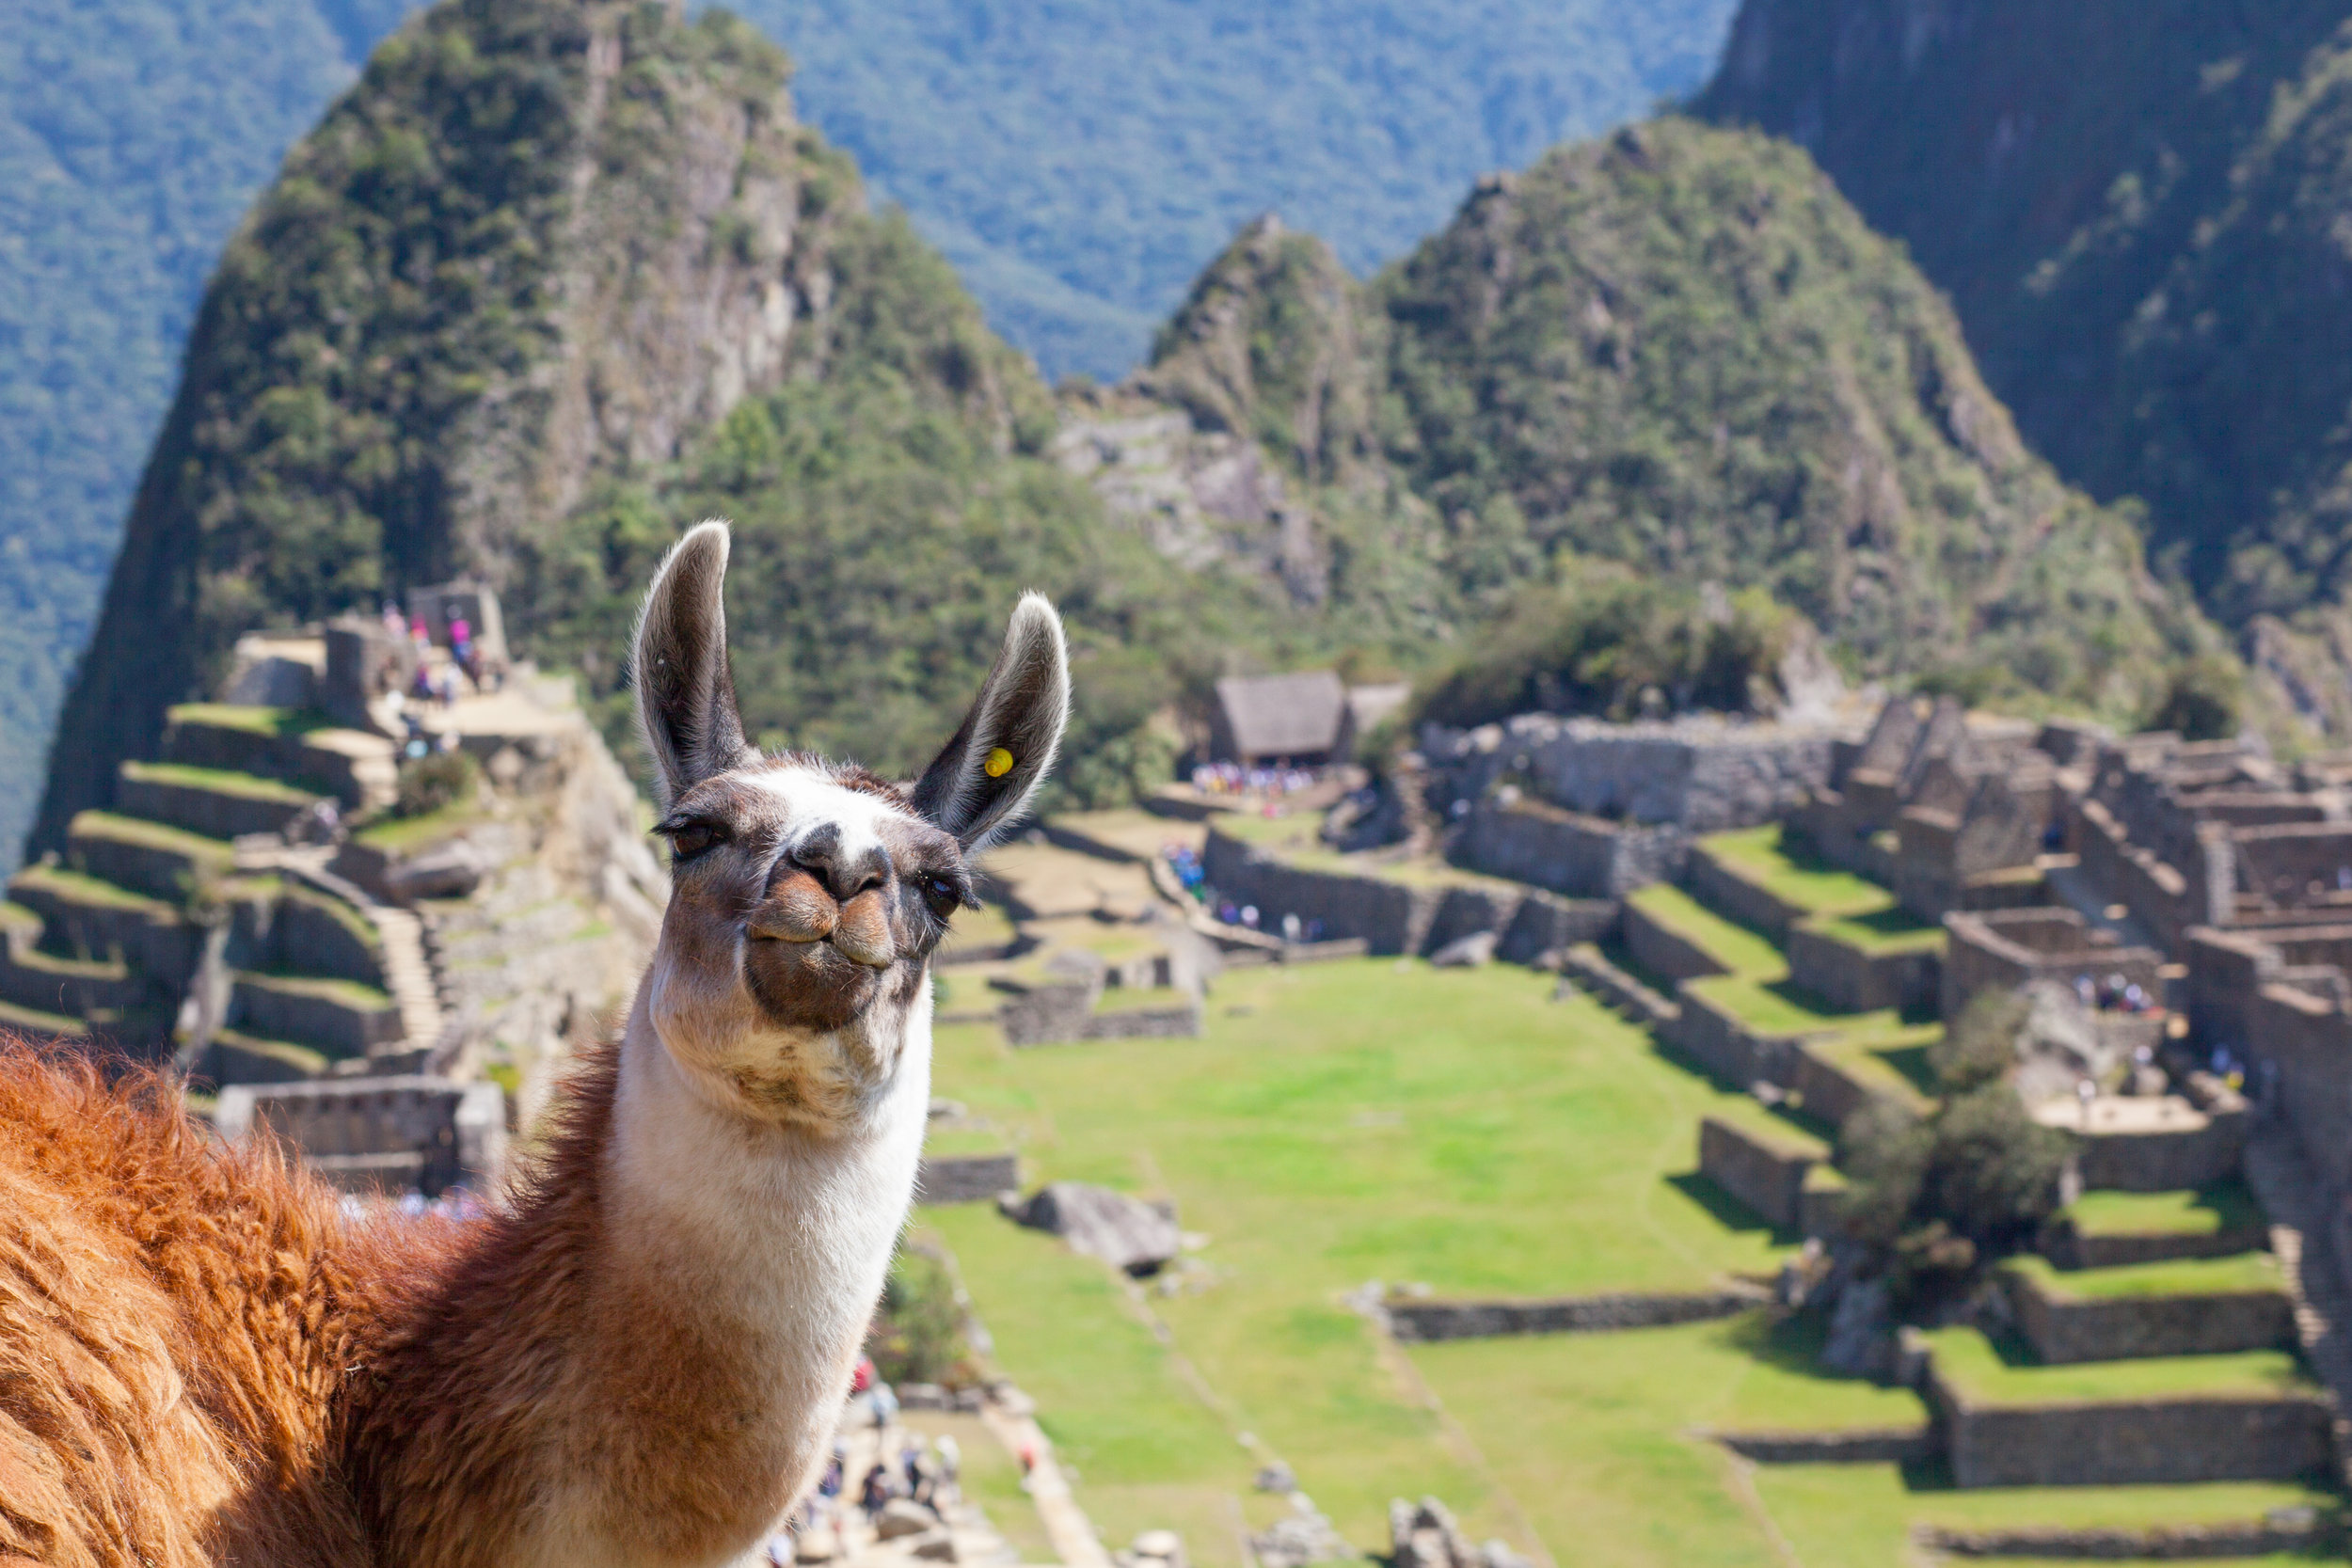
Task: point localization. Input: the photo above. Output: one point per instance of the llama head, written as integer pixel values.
(806, 896)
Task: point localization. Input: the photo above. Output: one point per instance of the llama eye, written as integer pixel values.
(690, 839)
(942, 895)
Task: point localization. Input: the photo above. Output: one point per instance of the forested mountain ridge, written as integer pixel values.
(1679, 348)
(133, 133)
(2138, 211)
(556, 278)
(537, 238)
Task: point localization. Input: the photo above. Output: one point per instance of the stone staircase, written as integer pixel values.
(2305, 1242)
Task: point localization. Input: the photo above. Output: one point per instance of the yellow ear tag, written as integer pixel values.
(997, 763)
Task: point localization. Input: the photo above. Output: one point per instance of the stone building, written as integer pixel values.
(1592, 809)
(254, 910)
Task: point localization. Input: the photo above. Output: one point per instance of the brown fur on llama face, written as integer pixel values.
(634, 1360)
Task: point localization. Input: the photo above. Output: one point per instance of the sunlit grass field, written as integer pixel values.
(1378, 1119)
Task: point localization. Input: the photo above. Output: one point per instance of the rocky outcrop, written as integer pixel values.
(537, 240)
(1123, 1231)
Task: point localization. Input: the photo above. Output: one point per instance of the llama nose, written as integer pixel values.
(845, 872)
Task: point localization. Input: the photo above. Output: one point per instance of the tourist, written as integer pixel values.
(461, 646)
(873, 1494)
(950, 1468)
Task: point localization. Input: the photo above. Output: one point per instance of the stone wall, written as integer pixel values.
(1414, 1319)
(2062, 1243)
(1829, 1090)
(1722, 887)
(1586, 857)
(2066, 1329)
(1700, 773)
(966, 1178)
(2149, 1442)
(311, 1014)
(1664, 952)
(2156, 892)
(1545, 924)
(1854, 979)
(2186, 1148)
(2004, 949)
(1720, 1043)
(352, 1130)
(1391, 917)
(1764, 1174)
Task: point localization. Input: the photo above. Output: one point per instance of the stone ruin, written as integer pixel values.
(249, 908)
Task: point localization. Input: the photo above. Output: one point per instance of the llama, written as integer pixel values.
(636, 1358)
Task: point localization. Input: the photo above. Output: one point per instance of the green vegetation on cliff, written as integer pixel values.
(1680, 349)
(2137, 208)
(133, 135)
(537, 239)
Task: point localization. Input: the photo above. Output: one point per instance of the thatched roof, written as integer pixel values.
(1280, 716)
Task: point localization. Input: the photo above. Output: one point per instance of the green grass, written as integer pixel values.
(351, 920)
(255, 721)
(1744, 953)
(398, 835)
(1889, 930)
(1774, 1006)
(1973, 1365)
(986, 928)
(2204, 1212)
(1768, 1126)
(1793, 874)
(73, 887)
(34, 1021)
(351, 993)
(1367, 1120)
(1860, 1515)
(2182, 1276)
(218, 781)
(152, 835)
(1600, 1436)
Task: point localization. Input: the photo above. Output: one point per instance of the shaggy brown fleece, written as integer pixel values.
(197, 1346)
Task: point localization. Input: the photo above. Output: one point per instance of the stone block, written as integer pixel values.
(965, 1178)
(2067, 1328)
(1767, 1174)
(337, 1018)
(1854, 979)
(1662, 950)
(1548, 923)
(1418, 1319)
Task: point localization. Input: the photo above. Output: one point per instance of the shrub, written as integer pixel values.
(1933, 1199)
(434, 782)
(1609, 642)
(917, 1335)
(1980, 1046)
(2203, 699)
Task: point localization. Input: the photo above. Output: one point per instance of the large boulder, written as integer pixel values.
(1119, 1229)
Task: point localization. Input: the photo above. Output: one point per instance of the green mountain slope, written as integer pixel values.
(538, 237)
(1079, 161)
(2137, 208)
(132, 135)
(1680, 349)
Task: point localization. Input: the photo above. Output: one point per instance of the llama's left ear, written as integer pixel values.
(978, 784)
(685, 691)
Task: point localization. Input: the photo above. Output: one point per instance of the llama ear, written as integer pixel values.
(685, 691)
(978, 784)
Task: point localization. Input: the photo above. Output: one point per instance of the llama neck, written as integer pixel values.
(687, 1313)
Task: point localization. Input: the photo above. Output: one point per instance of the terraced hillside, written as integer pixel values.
(1369, 1129)
(190, 923)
